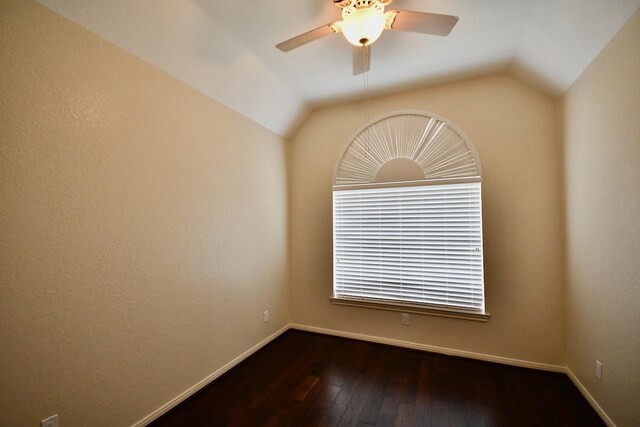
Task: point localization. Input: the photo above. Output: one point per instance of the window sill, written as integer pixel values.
(412, 308)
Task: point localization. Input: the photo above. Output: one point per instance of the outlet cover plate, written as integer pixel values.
(405, 319)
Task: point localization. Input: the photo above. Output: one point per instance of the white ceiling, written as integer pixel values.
(225, 48)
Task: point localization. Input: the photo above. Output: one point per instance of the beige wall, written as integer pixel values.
(516, 132)
(142, 228)
(602, 146)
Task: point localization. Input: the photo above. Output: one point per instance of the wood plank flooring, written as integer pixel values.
(306, 379)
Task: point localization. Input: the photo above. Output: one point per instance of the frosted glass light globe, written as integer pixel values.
(363, 26)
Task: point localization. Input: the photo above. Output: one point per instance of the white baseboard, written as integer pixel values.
(204, 382)
(607, 420)
(434, 349)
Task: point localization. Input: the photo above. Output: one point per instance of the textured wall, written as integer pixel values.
(142, 228)
(602, 146)
(515, 130)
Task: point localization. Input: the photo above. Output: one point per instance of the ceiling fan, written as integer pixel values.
(363, 22)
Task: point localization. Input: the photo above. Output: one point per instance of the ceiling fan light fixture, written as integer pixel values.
(363, 25)
(363, 21)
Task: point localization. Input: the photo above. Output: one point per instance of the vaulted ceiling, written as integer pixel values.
(225, 48)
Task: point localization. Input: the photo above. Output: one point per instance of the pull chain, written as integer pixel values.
(366, 99)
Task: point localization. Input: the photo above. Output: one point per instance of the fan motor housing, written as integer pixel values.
(359, 3)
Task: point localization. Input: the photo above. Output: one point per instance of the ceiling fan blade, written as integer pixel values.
(420, 22)
(305, 38)
(361, 60)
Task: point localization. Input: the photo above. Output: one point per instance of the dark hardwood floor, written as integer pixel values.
(306, 379)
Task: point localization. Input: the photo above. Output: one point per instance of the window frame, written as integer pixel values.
(401, 306)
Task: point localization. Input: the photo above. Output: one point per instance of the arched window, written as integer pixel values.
(407, 219)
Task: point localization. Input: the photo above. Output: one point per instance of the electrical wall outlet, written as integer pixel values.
(265, 316)
(52, 421)
(405, 319)
(598, 370)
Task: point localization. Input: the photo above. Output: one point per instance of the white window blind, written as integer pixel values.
(416, 244)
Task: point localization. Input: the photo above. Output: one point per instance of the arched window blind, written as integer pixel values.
(407, 212)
